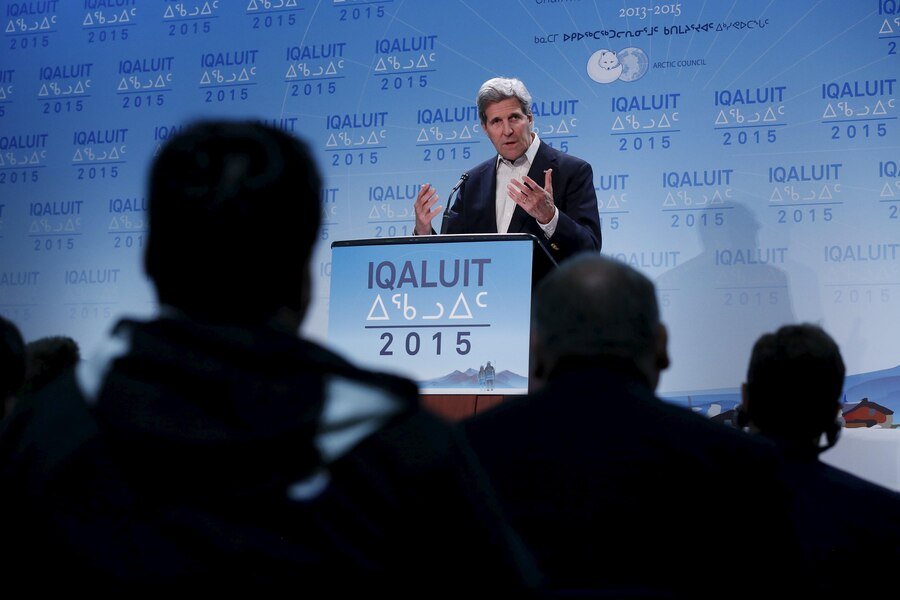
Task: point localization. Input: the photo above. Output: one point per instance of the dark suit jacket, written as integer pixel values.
(474, 210)
(844, 520)
(177, 476)
(620, 495)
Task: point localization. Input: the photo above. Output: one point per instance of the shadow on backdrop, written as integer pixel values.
(720, 301)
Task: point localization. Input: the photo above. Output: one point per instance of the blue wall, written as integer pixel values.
(745, 153)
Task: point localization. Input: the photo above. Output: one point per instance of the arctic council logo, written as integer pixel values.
(629, 64)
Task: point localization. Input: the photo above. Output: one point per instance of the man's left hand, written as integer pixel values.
(537, 201)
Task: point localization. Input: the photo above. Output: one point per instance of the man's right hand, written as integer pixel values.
(425, 209)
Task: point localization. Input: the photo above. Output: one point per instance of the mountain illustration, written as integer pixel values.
(508, 379)
(454, 379)
(469, 378)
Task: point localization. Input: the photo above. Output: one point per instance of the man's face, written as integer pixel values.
(508, 127)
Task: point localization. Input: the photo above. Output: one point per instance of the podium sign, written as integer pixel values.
(451, 313)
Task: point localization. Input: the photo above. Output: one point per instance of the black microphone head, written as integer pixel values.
(462, 178)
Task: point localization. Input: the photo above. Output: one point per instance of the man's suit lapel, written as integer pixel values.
(543, 160)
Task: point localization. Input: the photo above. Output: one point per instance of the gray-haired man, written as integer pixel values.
(528, 187)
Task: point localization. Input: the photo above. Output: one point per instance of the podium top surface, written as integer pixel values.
(437, 239)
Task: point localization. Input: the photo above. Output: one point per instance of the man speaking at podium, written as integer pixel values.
(528, 187)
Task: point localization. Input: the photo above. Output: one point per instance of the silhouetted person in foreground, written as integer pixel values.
(617, 493)
(792, 396)
(47, 358)
(12, 364)
(213, 450)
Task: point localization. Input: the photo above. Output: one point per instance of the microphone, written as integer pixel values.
(462, 178)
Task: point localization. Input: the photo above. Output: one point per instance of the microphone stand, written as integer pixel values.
(462, 179)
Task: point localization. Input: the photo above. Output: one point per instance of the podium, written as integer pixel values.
(451, 312)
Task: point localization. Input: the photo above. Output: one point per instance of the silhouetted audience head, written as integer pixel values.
(600, 308)
(793, 389)
(46, 359)
(234, 215)
(12, 363)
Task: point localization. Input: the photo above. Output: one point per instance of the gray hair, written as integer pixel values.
(594, 306)
(499, 89)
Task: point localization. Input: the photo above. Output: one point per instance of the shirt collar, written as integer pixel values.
(528, 156)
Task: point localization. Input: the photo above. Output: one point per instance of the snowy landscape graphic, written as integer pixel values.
(881, 387)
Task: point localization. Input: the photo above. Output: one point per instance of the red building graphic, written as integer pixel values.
(867, 414)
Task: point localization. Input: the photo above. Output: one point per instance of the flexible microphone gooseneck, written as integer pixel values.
(456, 187)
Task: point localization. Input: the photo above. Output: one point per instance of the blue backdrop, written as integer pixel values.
(745, 153)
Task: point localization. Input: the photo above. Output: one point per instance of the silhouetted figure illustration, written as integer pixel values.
(12, 364)
(489, 373)
(481, 378)
(792, 396)
(212, 450)
(617, 493)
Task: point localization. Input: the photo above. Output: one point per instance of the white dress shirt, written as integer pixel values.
(506, 171)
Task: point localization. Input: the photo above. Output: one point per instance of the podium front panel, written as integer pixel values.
(454, 317)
